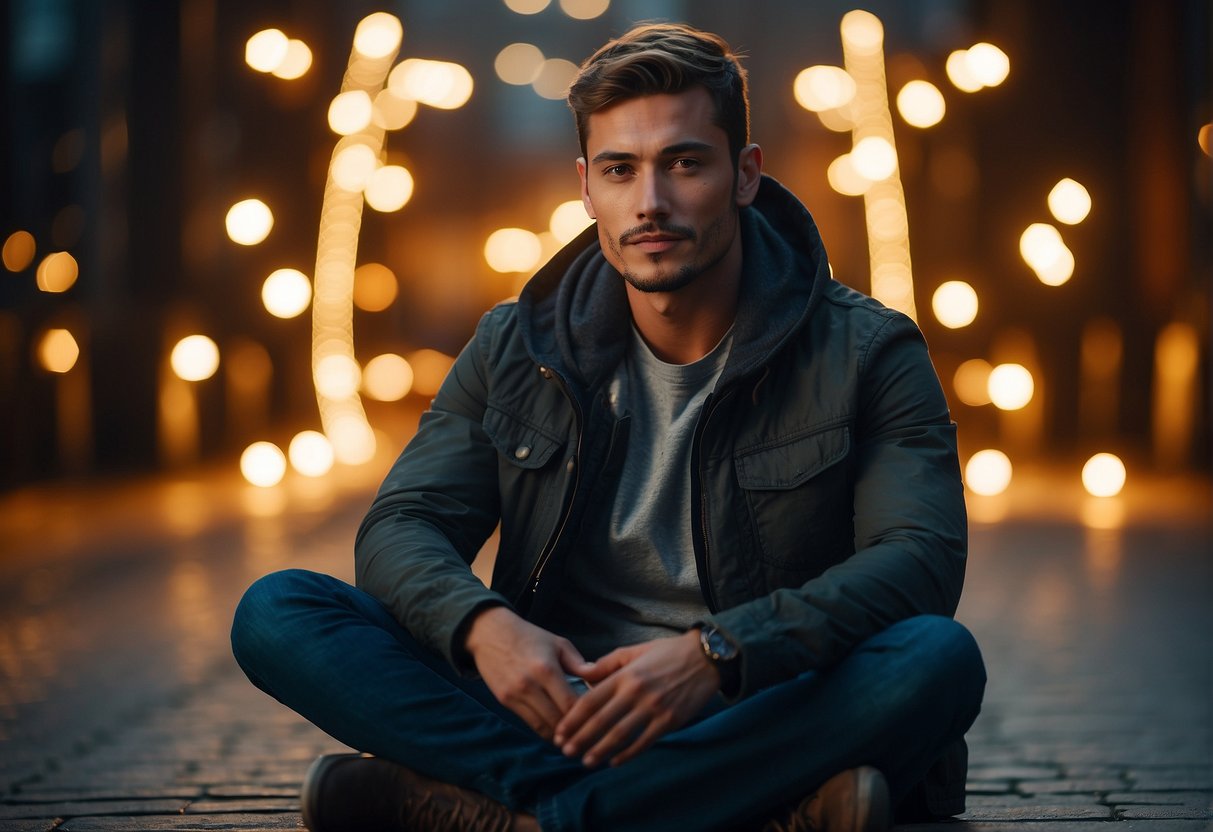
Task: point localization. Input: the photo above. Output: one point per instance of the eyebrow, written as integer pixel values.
(672, 150)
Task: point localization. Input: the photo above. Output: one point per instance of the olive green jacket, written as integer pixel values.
(827, 495)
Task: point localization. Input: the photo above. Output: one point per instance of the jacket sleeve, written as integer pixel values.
(437, 506)
(909, 522)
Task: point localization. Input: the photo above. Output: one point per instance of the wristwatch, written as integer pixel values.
(724, 655)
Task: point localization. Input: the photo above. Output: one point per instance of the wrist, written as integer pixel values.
(723, 655)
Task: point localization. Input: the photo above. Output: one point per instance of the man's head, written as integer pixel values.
(656, 58)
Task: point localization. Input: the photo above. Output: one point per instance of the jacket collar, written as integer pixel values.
(574, 314)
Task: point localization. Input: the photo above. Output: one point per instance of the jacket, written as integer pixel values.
(827, 495)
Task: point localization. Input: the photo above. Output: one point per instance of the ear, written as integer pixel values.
(585, 191)
(749, 174)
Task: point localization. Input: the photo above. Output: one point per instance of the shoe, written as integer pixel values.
(361, 793)
(856, 800)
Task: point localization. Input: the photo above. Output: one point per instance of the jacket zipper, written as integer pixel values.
(701, 541)
(546, 553)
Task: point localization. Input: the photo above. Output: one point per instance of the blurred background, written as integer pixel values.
(251, 235)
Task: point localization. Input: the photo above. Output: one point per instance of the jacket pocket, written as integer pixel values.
(798, 495)
(520, 442)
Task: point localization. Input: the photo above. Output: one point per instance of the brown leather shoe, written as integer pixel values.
(855, 800)
(361, 793)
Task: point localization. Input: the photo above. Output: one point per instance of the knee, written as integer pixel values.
(946, 651)
(258, 621)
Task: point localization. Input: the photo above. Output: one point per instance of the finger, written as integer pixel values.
(605, 718)
(531, 717)
(572, 661)
(618, 738)
(604, 667)
(582, 710)
(650, 735)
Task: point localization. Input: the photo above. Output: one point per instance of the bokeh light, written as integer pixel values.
(819, 88)
(988, 64)
(519, 63)
(286, 293)
(1069, 202)
(440, 84)
(249, 222)
(350, 112)
(353, 440)
(844, 179)
(194, 358)
(19, 251)
(1104, 475)
(352, 167)
(1011, 386)
(960, 73)
(513, 250)
(954, 304)
(387, 378)
(874, 158)
(584, 9)
(921, 104)
(971, 381)
(862, 31)
(57, 272)
(391, 112)
(266, 50)
(57, 351)
(554, 78)
(569, 219)
(375, 287)
(337, 376)
(296, 62)
(378, 35)
(263, 464)
(311, 453)
(527, 6)
(988, 472)
(1046, 253)
(389, 188)
(429, 369)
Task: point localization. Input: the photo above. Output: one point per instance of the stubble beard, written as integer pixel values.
(710, 253)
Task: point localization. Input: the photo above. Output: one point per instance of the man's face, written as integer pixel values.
(659, 179)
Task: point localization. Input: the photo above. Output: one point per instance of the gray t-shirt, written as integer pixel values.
(633, 578)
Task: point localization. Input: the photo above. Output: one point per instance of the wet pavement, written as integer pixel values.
(121, 709)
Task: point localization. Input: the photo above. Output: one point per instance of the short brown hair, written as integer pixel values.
(657, 58)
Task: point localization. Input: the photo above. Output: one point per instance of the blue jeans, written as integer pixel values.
(337, 656)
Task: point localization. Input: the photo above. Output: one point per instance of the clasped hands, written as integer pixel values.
(637, 693)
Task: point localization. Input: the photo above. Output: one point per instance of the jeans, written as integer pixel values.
(337, 656)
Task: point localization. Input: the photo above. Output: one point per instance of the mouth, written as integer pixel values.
(654, 243)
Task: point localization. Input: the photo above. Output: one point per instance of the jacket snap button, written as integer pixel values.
(572, 463)
(545, 372)
(522, 452)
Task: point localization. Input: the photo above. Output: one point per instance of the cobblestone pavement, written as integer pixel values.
(121, 709)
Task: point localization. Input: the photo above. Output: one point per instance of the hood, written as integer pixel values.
(574, 316)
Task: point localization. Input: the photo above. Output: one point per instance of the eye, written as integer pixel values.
(616, 171)
(685, 163)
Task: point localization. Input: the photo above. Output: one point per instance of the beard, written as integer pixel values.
(708, 252)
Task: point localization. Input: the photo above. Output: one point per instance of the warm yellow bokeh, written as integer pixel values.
(375, 287)
(296, 62)
(921, 104)
(513, 250)
(988, 472)
(1011, 386)
(584, 9)
(389, 188)
(971, 381)
(337, 376)
(554, 78)
(844, 179)
(988, 64)
(57, 272)
(266, 50)
(19, 251)
(311, 453)
(1069, 202)
(960, 73)
(249, 222)
(350, 112)
(519, 63)
(569, 219)
(387, 378)
(58, 351)
(429, 369)
(263, 464)
(286, 293)
(862, 32)
(955, 304)
(527, 6)
(820, 88)
(874, 158)
(391, 112)
(195, 358)
(440, 84)
(1104, 475)
(378, 35)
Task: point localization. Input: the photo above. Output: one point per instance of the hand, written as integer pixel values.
(524, 666)
(639, 693)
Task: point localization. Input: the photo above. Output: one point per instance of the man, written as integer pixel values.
(732, 525)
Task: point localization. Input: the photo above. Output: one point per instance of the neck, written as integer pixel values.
(683, 326)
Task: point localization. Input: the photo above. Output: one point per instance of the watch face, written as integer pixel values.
(722, 649)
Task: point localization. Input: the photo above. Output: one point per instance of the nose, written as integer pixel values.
(654, 199)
